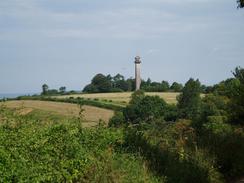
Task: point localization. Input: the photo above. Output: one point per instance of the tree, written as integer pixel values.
(176, 87)
(102, 83)
(237, 98)
(62, 89)
(189, 101)
(44, 89)
(144, 108)
(240, 3)
(165, 85)
(90, 88)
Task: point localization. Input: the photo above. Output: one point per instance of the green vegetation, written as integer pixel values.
(40, 150)
(50, 92)
(189, 101)
(198, 140)
(205, 144)
(104, 84)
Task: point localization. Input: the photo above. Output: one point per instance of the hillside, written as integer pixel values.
(92, 115)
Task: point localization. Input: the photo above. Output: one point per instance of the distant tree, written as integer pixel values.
(120, 83)
(209, 89)
(176, 87)
(90, 88)
(227, 88)
(149, 81)
(131, 84)
(189, 102)
(212, 107)
(52, 92)
(62, 89)
(102, 83)
(165, 85)
(44, 89)
(240, 3)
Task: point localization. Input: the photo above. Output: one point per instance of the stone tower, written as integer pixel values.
(138, 72)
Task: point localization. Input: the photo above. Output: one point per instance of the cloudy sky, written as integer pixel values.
(66, 42)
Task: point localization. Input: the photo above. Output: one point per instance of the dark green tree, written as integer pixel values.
(240, 3)
(44, 89)
(144, 108)
(176, 87)
(103, 83)
(237, 98)
(90, 88)
(165, 85)
(62, 89)
(189, 102)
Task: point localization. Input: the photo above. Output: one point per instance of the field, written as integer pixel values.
(124, 97)
(92, 115)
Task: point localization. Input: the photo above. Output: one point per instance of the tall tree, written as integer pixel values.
(189, 102)
(177, 87)
(44, 89)
(62, 89)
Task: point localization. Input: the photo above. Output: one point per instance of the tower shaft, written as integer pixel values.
(138, 72)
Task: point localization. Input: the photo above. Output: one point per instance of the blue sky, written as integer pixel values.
(66, 42)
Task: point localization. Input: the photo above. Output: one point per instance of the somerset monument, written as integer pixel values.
(138, 72)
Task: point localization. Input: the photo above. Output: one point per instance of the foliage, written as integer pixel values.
(49, 92)
(34, 150)
(144, 108)
(171, 151)
(101, 84)
(212, 106)
(240, 3)
(149, 86)
(177, 87)
(225, 142)
(189, 101)
(236, 107)
(117, 120)
(62, 89)
(44, 89)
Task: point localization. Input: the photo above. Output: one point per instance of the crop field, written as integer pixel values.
(92, 115)
(124, 97)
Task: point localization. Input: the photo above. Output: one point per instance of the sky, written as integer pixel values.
(67, 42)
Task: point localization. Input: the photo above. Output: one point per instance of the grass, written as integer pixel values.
(123, 98)
(92, 115)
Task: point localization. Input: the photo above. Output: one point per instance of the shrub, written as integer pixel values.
(189, 101)
(144, 108)
(117, 120)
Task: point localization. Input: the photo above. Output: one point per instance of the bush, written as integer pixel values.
(144, 108)
(170, 150)
(226, 143)
(117, 120)
(189, 102)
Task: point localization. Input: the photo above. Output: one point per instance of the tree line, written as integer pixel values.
(101, 83)
(61, 91)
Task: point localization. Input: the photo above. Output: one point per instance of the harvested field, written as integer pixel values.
(91, 114)
(124, 97)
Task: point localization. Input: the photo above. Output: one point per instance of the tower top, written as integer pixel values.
(137, 60)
